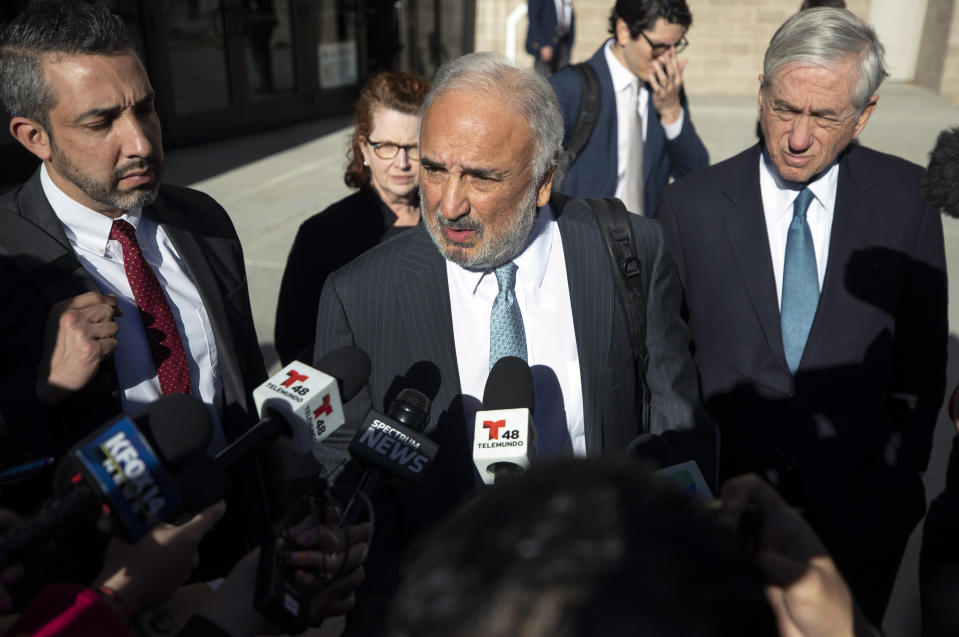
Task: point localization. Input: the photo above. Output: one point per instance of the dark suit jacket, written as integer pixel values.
(393, 302)
(544, 26)
(326, 241)
(40, 269)
(593, 174)
(847, 436)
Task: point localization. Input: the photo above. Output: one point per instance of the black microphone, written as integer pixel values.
(393, 444)
(504, 438)
(128, 475)
(302, 405)
(941, 182)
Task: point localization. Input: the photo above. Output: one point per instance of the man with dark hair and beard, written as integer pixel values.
(117, 289)
(499, 268)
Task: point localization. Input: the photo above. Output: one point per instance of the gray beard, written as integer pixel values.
(107, 193)
(491, 254)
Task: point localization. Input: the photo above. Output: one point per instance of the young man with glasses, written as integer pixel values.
(643, 133)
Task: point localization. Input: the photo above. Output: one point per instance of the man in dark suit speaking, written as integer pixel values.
(116, 289)
(431, 306)
(815, 283)
(644, 134)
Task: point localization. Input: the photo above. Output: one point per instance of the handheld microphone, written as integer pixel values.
(383, 443)
(504, 437)
(395, 443)
(127, 476)
(302, 405)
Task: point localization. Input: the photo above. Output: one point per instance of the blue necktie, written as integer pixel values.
(800, 283)
(506, 334)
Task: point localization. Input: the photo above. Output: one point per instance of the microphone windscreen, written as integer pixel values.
(179, 427)
(349, 365)
(410, 408)
(509, 386)
(941, 183)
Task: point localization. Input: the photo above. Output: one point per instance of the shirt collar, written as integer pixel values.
(823, 186)
(532, 261)
(621, 76)
(85, 228)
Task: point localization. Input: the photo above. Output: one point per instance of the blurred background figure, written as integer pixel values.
(383, 164)
(550, 36)
(643, 133)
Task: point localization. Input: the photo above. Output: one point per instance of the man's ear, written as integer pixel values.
(32, 135)
(545, 188)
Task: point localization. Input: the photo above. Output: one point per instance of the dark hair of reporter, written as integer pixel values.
(576, 548)
(403, 92)
(640, 15)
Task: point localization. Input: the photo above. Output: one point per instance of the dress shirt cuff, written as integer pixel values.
(673, 130)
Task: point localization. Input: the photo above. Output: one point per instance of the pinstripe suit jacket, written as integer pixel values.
(393, 302)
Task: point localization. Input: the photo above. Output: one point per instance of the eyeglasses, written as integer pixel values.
(659, 48)
(389, 150)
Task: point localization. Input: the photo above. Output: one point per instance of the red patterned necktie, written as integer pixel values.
(169, 357)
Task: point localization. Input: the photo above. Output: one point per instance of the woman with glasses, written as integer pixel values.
(383, 164)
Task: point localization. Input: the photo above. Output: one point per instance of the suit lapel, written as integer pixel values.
(201, 270)
(39, 248)
(655, 139)
(746, 229)
(591, 296)
(850, 216)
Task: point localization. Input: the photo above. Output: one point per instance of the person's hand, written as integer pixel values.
(149, 571)
(11, 574)
(665, 82)
(805, 589)
(80, 333)
(546, 54)
(331, 559)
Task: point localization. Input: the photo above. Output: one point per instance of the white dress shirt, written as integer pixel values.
(564, 14)
(542, 291)
(88, 232)
(778, 197)
(623, 89)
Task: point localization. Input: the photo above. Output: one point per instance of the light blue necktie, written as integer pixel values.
(800, 283)
(506, 334)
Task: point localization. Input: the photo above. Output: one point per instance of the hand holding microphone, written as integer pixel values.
(302, 405)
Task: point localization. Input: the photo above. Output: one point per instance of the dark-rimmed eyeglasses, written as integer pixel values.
(389, 150)
(659, 48)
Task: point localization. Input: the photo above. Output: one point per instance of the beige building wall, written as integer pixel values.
(948, 83)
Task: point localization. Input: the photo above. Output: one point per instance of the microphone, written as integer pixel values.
(395, 443)
(128, 475)
(504, 437)
(302, 405)
(940, 182)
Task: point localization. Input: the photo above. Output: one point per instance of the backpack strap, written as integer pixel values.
(617, 232)
(588, 111)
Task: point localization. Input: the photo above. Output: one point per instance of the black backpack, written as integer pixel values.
(588, 111)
